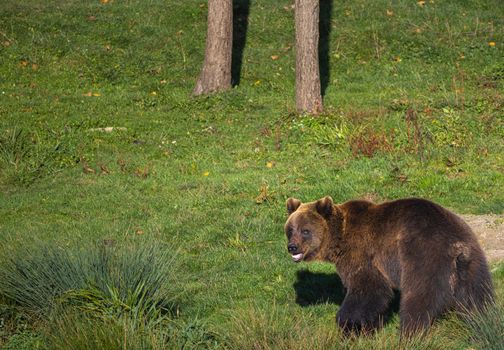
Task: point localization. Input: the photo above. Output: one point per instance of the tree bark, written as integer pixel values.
(216, 72)
(308, 95)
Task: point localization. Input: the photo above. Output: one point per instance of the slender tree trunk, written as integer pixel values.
(308, 96)
(216, 72)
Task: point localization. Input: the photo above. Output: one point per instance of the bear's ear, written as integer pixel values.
(324, 206)
(292, 205)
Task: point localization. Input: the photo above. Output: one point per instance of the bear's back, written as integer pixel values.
(416, 218)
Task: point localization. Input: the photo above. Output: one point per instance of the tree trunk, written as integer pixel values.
(308, 96)
(216, 72)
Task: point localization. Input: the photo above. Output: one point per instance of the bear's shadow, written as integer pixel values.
(313, 288)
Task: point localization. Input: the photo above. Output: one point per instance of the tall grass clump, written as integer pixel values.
(100, 296)
(486, 328)
(27, 155)
(102, 280)
(34, 278)
(77, 331)
(278, 328)
(285, 327)
(74, 330)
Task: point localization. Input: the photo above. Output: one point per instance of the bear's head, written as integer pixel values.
(307, 228)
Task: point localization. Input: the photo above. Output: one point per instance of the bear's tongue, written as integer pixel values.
(297, 257)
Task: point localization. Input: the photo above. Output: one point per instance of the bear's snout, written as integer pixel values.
(292, 248)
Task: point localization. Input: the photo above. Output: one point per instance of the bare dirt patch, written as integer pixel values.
(490, 232)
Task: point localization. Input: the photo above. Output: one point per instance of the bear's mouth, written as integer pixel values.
(297, 257)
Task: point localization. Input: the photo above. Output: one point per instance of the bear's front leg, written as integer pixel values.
(365, 309)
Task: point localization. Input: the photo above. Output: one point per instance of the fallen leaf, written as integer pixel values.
(402, 178)
(87, 169)
(91, 94)
(142, 172)
(35, 66)
(421, 3)
(104, 1)
(23, 63)
(390, 13)
(122, 165)
(287, 48)
(491, 43)
(270, 164)
(206, 173)
(264, 194)
(104, 169)
(139, 232)
(274, 57)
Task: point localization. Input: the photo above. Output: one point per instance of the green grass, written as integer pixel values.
(193, 174)
(103, 279)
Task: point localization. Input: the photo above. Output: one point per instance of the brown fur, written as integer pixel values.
(411, 245)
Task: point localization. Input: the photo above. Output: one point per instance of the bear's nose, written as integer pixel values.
(292, 248)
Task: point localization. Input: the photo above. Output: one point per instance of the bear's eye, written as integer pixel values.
(306, 233)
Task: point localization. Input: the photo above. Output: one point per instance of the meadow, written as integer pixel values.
(135, 216)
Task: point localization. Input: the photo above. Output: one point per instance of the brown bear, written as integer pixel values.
(413, 246)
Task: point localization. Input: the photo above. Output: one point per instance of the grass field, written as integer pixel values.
(166, 231)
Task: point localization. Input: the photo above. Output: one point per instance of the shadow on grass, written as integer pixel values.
(241, 9)
(314, 288)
